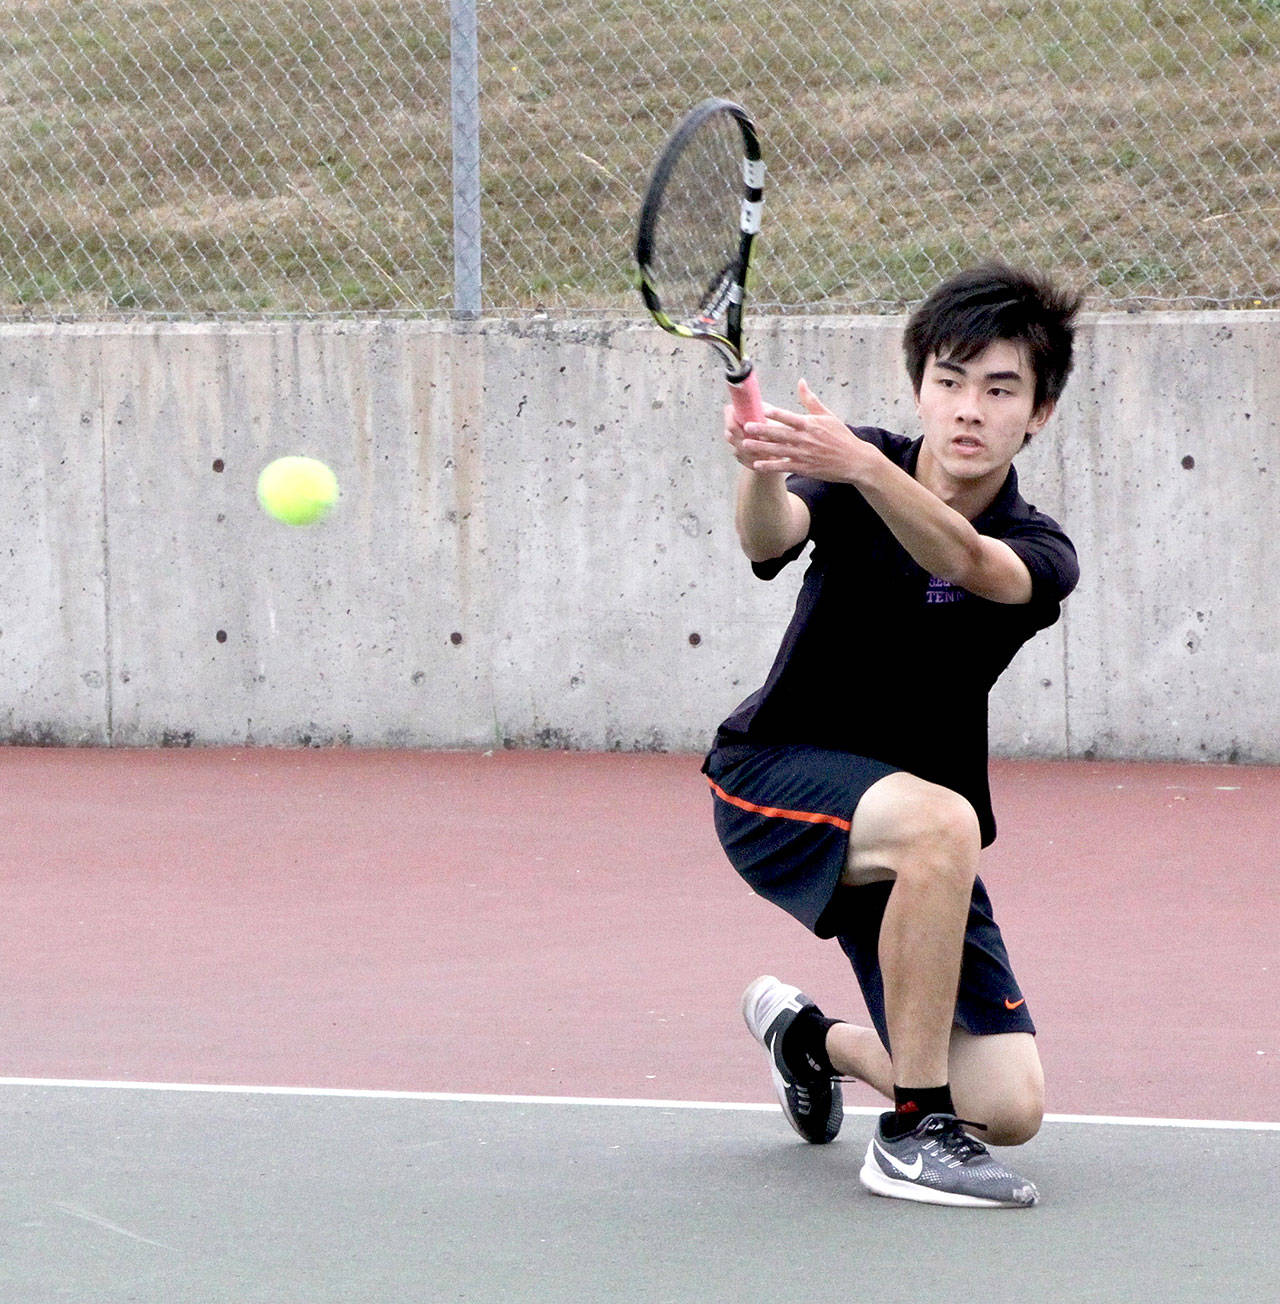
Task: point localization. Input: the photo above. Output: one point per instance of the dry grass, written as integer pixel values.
(293, 156)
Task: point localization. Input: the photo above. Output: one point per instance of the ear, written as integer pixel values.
(1040, 417)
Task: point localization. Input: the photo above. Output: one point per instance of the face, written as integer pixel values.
(977, 414)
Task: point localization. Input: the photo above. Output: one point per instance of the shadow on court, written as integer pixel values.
(116, 1196)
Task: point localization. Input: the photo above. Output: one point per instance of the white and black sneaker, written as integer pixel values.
(814, 1106)
(940, 1163)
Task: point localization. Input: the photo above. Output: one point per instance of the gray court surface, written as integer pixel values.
(164, 1197)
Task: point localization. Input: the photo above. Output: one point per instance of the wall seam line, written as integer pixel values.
(108, 632)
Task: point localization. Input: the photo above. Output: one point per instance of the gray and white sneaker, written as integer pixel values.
(813, 1106)
(940, 1163)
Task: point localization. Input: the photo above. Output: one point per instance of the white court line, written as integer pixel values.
(462, 1097)
(98, 1221)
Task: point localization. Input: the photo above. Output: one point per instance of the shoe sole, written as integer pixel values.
(878, 1182)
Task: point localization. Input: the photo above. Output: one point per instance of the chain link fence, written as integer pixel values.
(305, 157)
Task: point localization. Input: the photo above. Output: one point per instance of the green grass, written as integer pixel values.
(196, 157)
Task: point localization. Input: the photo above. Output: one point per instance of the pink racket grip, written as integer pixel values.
(744, 394)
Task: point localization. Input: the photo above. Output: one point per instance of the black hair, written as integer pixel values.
(991, 302)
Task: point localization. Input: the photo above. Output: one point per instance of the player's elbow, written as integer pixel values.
(758, 549)
(991, 569)
(768, 541)
(766, 535)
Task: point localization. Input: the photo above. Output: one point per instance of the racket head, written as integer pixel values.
(699, 218)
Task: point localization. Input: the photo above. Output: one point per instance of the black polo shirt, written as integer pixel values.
(885, 661)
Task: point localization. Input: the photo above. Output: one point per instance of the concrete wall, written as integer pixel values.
(534, 545)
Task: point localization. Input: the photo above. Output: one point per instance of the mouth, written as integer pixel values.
(966, 445)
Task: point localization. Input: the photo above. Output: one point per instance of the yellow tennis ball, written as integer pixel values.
(297, 490)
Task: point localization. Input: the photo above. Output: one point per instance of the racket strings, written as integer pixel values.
(696, 235)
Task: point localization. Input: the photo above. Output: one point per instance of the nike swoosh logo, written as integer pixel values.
(1013, 1005)
(910, 1171)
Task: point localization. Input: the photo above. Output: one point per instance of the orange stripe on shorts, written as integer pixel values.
(777, 812)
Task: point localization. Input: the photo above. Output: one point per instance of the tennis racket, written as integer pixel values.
(699, 218)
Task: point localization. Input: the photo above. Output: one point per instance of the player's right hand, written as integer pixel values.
(734, 435)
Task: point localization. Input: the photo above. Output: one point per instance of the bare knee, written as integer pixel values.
(947, 825)
(998, 1081)
(1014, 1122)
(906, 827)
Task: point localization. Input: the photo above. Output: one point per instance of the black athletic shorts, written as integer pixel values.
(783, 814)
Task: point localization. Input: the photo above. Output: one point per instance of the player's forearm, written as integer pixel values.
(944, 542)
(767, 517)
(938, 538)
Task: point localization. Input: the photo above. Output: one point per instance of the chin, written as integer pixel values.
(968, 470)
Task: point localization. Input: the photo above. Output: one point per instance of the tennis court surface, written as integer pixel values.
(388, 1026)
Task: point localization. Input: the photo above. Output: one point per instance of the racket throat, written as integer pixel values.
(721, 295)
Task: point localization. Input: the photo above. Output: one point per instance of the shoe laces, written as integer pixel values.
(949, 1134)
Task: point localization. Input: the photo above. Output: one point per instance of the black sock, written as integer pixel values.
(804, 1044)
(911, 1105)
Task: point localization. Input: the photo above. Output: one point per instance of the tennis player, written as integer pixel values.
(851, 789)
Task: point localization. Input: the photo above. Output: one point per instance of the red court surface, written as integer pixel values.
(564, 924)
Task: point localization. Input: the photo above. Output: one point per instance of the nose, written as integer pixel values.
(968, 411)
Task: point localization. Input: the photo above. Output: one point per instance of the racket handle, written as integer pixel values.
(744, 394)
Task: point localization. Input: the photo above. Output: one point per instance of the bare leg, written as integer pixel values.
(998, 1081)
(925, 839)
(858, 1052)
(995, 1080)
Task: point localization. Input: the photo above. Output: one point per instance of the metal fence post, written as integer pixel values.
(464, 63)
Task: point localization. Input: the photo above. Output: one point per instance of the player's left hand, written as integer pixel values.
(813, 443)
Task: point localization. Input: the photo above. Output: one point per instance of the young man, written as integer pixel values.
(851, 789)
